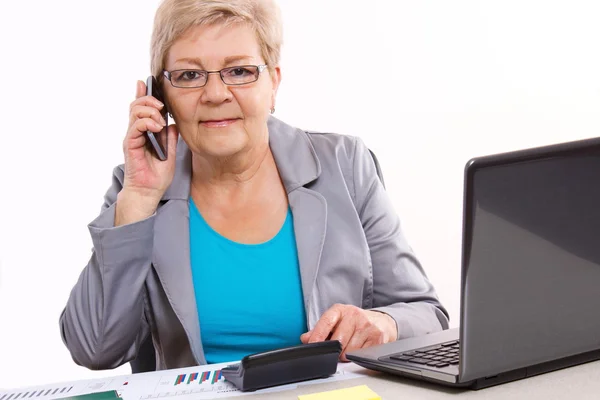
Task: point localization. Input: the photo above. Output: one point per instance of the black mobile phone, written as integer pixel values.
(157, 143)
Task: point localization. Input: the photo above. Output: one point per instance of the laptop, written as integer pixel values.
(530, 273)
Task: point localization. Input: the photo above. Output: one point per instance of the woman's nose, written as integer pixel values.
(215, 91)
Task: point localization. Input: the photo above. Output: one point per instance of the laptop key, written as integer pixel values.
(401, 358)
(419, 360)
(449, 344)
(454, 362)
(442, 364)
(409, 353)
(433, 364)
(429, 348)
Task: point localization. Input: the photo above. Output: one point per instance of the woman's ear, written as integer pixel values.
(276, 79)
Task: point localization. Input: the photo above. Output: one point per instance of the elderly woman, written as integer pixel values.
(252, 235)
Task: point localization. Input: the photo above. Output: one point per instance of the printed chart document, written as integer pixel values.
(201, 382)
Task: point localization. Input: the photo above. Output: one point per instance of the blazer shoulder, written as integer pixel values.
(340, 146)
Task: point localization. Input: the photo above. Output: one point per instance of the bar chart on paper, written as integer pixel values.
(206, 376)
(208, 382)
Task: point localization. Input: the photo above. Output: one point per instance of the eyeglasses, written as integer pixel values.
(195, 78)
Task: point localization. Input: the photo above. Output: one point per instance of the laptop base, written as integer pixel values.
(486, 382)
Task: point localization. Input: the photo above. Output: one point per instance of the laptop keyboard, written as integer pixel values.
(439, 356)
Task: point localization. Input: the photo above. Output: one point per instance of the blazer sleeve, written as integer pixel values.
(400, 286)
(103, 323)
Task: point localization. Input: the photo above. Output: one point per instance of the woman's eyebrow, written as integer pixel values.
(227, 60)
(232, 59)
(187, 60)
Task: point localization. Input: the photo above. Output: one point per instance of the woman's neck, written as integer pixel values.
(233, 181)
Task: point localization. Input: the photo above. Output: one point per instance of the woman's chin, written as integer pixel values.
(221, 149)
(222, 145)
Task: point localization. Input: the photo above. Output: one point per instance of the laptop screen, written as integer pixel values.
(531, 273)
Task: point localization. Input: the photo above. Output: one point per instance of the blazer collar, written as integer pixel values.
(294, 154)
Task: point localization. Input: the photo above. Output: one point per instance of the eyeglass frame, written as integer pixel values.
(260, 68)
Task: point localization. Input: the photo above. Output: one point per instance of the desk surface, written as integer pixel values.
(579, 382)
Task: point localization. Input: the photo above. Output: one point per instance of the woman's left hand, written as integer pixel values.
(354, 327)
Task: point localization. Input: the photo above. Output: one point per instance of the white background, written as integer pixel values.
(426, 84)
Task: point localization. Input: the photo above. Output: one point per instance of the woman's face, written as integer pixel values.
(218, 120)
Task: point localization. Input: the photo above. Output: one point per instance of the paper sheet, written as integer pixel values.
(201, 382)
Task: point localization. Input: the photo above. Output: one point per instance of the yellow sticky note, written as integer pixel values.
(353, 393)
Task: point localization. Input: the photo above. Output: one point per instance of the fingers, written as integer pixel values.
(140, 89)
(353, 327)
(147, 124)
(305, 336)
(359, 340)
(147, 101)
(144, 115)
(372, 341)
(354, 344)
(143, 100)
(344, 333)
(136, 135)
(134, 143)
(326, 324)
(141, 111)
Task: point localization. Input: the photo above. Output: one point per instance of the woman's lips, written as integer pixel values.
(218, 123)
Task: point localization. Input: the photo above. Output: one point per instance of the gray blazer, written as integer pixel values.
(351, 250)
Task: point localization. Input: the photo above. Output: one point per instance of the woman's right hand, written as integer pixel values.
(146, 177)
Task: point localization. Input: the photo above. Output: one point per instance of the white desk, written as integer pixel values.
(576, 383)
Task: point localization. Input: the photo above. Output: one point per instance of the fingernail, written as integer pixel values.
(159, 104)
(163, 122)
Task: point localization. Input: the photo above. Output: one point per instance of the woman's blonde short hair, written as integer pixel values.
(174, 17)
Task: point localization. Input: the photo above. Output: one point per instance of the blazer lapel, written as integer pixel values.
(309, 210)
(171, 254)
(298, 165)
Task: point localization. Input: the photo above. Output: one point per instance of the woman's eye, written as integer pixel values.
(190, 75)
(239, 72)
